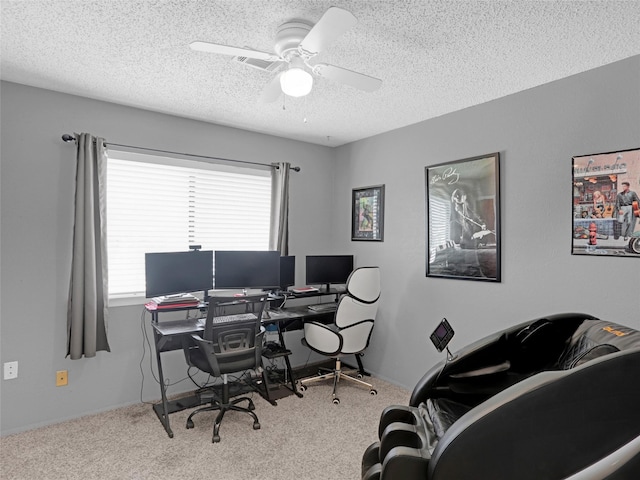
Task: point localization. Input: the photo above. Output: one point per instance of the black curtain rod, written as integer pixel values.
(70, 138)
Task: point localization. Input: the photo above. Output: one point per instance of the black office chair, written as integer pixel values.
(228, 347)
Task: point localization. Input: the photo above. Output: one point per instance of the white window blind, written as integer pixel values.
(440, 211)
(159, 204)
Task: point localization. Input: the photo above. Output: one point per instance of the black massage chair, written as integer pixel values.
(553, 398)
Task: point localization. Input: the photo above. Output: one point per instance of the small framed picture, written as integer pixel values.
(367, 213)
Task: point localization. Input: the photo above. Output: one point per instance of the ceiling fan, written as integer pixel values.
(296, 46)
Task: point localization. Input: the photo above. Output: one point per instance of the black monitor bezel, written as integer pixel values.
(223, 258)
(180, 272)
(329, 279)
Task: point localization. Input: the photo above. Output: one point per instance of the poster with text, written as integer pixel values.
(463, 219)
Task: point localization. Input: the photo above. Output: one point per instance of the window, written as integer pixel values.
(160, 204)
(440, 210)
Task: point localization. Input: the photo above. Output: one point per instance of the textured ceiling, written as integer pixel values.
(434, 57)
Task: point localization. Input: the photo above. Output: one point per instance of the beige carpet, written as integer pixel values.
(302, 438)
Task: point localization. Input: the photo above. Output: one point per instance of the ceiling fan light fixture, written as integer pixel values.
(296, 82)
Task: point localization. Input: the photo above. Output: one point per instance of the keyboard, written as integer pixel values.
(323, 307)
(241, 317)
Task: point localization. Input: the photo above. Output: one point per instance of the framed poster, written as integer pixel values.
(367, 213)
(605, 204)
(463, 219)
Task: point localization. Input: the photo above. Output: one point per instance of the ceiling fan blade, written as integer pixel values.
(348, 77)
(233, 51)
(272, 90)
(331, 25)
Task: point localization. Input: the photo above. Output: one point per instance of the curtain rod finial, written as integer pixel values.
(68, 138)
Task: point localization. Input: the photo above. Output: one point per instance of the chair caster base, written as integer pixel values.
(373, 391)
(190, 424)
(256, 426)
(336, 401)
(216, 439)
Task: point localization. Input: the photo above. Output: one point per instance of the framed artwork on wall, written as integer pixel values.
(367, 213)
(463, 219)
(605, 204)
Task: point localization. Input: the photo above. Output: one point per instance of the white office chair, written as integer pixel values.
(352, 329)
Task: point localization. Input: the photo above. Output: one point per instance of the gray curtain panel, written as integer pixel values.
(88, 290)
(279, 227)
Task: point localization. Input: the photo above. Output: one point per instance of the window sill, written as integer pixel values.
(127, 300)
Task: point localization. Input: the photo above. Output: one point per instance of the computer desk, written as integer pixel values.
(169, 335)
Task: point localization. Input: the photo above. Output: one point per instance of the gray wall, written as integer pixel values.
(536, 132)
(36, 200)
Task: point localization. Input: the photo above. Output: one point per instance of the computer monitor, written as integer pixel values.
(247, 269)
(167, 273)
(287, 272)
(328, 269)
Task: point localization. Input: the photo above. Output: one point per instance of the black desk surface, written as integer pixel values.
(193, 325)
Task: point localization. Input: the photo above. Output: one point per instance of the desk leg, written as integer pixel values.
(288, 364)
(162, 409)
(265, 384)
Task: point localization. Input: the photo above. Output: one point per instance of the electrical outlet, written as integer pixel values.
(61, 378)
(10, 370)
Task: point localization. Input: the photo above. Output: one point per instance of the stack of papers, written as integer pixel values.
(304, 289)
(177, 299)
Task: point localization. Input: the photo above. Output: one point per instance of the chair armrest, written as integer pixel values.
(322, 339)
(355, 337)
(199, 353)
(621, 464)
(503, 367)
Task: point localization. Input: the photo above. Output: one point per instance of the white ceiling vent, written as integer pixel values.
(263, 65)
